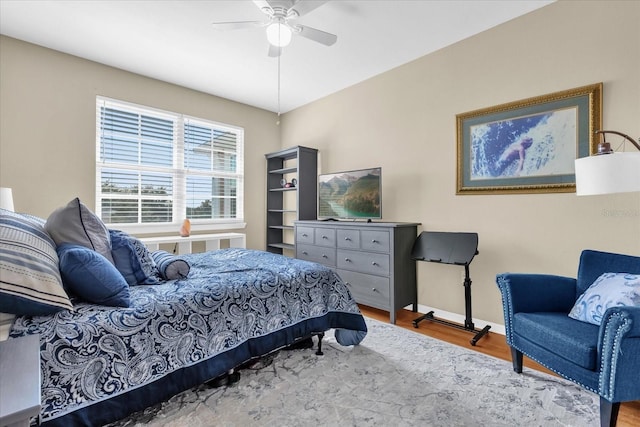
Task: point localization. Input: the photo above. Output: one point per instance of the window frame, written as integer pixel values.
(178, 171)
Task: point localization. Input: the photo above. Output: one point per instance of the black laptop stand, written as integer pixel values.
(456, 249)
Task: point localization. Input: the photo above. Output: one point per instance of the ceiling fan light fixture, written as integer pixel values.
(279, 34)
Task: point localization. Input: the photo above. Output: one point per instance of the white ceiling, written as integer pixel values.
(174, 41)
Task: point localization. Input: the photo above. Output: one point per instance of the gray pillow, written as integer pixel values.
(75, 223)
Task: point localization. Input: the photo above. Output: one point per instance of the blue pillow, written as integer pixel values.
(132, 259)
(609, 290)
(170, 266)
(30, 283)
(91, 276)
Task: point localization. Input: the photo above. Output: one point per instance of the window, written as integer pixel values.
(155, 168)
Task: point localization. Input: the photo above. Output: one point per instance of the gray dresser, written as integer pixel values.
(373, 259)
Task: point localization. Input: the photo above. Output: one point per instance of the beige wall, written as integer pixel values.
(47, 127)
(404, 121)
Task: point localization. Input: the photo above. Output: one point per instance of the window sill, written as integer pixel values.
(173, 228)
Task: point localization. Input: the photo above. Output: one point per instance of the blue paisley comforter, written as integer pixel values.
(235, 302)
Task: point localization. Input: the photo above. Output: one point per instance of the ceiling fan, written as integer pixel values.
(281, 23)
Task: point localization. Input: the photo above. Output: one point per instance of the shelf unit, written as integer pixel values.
(288, 204)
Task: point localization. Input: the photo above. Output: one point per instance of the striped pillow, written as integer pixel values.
(30, 282)
(170, 267)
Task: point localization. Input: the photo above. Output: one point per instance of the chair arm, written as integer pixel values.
(534, 293)
(618, 347)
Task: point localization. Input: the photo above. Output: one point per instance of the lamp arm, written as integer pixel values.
(627, 137)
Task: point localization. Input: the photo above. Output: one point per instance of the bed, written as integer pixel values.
(100, 363)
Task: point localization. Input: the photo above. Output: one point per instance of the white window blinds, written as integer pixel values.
(157, 167)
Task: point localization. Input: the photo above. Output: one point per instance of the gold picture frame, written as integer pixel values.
(527, 146)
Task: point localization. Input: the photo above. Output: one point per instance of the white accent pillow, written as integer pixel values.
(30, 282)
(609, 290)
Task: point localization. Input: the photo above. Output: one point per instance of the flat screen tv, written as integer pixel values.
(350, 195)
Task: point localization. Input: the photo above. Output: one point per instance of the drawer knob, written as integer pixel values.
(324, 256)
(375, 263)
(374, 290)
(325, 237)
(348, 239)
(305, 253)
(374, 241)
(347, 260)
(305, 235)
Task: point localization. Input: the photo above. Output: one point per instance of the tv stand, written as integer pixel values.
(372, 258)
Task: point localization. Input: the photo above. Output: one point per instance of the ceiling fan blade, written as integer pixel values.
(274, 51)
(238, 25)
(302, 7)
(316, 35)
(264, 6)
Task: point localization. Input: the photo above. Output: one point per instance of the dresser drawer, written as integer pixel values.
(348, 239)
(368, 290)
(375, 241)
(363, 262)
(325, 237)
(304, 235)
(326, 256)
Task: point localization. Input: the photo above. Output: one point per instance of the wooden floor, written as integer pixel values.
(491, 344)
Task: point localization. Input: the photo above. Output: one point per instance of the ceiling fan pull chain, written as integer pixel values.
(278, 121)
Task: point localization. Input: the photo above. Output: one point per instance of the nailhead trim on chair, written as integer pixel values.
(622, 325)
(506, 308)
(508, 314)
(563, 376)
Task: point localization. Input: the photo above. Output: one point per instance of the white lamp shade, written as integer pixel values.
(608, 173)
(278, 34)
(6, 199)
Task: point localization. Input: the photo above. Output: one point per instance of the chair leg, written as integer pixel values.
(608, 413)
(516, 359)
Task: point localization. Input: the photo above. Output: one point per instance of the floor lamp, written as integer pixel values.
(608, 172)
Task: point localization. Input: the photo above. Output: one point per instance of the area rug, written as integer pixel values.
(395, 377)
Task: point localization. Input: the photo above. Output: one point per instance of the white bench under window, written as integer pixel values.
(211, 241)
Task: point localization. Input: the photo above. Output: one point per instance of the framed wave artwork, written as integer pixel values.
(528, 146)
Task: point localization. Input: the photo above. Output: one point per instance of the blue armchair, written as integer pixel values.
(604, 359)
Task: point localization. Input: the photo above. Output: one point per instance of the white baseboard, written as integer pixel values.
(459, 318)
